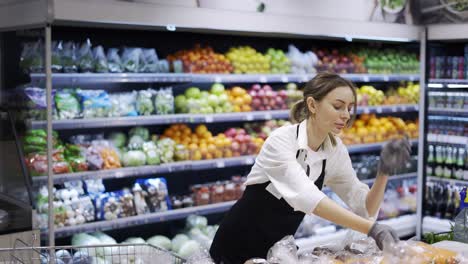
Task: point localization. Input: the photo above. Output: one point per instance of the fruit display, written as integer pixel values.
(240, 99)
(202, 60)
(302, 62)
(334, 61)
(367, 95)
(389, 61)
(265, 98)
(246, 59)
(195, 101)
(279, 62)
(264, 129)
(369, 129)
(293, 94)
(242, 143)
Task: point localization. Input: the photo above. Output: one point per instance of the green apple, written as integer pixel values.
(223, 99)
(213, 100)
(217, 89)
(193, 92)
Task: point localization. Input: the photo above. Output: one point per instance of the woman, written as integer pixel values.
(295, 162)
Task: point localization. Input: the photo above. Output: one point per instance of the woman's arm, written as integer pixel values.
(375, 196)
(331, 211)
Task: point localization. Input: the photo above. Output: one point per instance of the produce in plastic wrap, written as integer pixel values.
(164, 101)
(131, 59)
(118, 139)
(37, 165)
(189, 248)
(36, 102)
(110, 158)
(200, 257)
(113, 60)
(283, 251)
(85, 57)
(144, 103)
(181, 153)
(108, 207)
(139, 200)
(32, 57)
(94, 186)
(163, 66)
(100, 59)
(134, 158)
(153, 155)
(418, 253)
(157, 193)
(56, 63)
(74, 154)
(69, 59)
(94, 159)
(94, 103)
(148, 61)
(67, 105)
(166, 146)
(123, 104)
(126, 199)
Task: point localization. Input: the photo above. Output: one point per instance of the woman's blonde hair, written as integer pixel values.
(317, 88)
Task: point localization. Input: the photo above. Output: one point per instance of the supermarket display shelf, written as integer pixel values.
(438, 138)
(446, 31)
(142, 219)
(84, 78)
(404, 226)
(199, 118)
(449, 181)
(447, 83)
(149, 169)
(436, 225)
(395, 177)
(435, 110)
(179, 166)
(446, 117)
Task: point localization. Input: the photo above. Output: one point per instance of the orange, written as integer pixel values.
(247, 98)
(246, 108)
(238, 101)
(201, 129)
(236, 108)
(207, 135)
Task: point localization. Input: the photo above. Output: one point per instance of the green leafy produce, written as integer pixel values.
(160, 241)
(118, 139)
(134, 158)
(140, 131)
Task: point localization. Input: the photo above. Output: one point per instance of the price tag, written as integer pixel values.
(284, 79)
(267, 116)
(386, 78)
(249, 117)
(218, 79)
(249, 161)
(366, 110)
(394, 109)
(411, 78)
(219, 164)
(263, 79)
(378, 110)
(209, 119)
(365, 78)
(403, 108)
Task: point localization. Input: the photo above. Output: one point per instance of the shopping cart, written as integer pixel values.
(95, 254)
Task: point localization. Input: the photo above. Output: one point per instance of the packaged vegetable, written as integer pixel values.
(135, 142)
(108, 207)
(139, 196)
(123, 104)
(164, 101)
(100, 65)
(163, 66)
(85, 57)
(143, 132)
(166, 146)
(134, 158)
(94, 103)
(67, 105)
(157, 193)
(118, 139)
(56, 64)
(94, 159)
(126, 200)
(148, 61)
(94, 186)
(153, 157)
(181, 153)
(111, 158)
(131, 59)
(69, 57)
(113, 61)
(32, 57)
(75, 185)
(144, 103)
(36, 104)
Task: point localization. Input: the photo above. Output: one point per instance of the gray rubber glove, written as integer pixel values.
(394, 156)
(383, 235)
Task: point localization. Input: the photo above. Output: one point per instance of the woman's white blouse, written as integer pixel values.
(278, 164)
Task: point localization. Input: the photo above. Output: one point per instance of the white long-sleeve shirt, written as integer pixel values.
(278, 164)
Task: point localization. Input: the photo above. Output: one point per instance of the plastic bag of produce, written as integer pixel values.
(283, 251)
(32, 57)
(36, 102)
(123, 104)
(94, 159)
(166, 147)
(67, 105)
(143, 132)
(118, 139)
(134, 158)
(75, 185)
(200, 257)
(69, 59)
(75, 155)
(125, 198)
(113, 61)
(57, 49)
(163, 66)
(131, 59)
(144, 102)
(95, 103)
(100, 60)
(164, 101)
(108, 206)
(157, 193)
(148, 61)
(94, 186)
(108, 153)
(85, 57)
(418, 253)
(139, 200)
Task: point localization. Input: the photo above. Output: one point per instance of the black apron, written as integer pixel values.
(255, 223)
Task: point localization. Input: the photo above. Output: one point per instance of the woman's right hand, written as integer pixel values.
(394, 156)
(383, 235)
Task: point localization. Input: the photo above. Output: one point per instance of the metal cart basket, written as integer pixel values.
(95, 254)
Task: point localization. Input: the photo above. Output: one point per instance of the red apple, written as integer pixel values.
(256, 87)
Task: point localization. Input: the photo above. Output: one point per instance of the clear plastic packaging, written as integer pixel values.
(94, 186)
(139, 198)
(125, 198)
(417, 253)
(123, 104)
(144, 103)
(67, 105)
(283, 251)
(157, 193)
(94, 103)
(57, 49)
(148, 61)
(164, 101)
(36, 102)
(69, 59)
(100, 59)
(85, 57)
(113, 61)
(131, 59)
(32, 57)
(108, 207)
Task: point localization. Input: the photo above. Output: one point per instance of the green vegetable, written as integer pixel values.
(141, 131)
(33, 149)
(37, 141)
(160, 241)
(134, 158)
(37, 133)
(135, 142)
(118, 138)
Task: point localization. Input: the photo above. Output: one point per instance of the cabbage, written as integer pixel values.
(188, 248)
(135, 142)
(149, 145)
(197, 235)
(153, 157)
(118, 138)
(63, 255)
(140, 131)
(83, 239)
(160, 241)
(178, 241)
(134, 240)
(196, 221)
(134, 158)
(104, 238)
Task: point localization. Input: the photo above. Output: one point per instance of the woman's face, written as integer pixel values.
(333, 112)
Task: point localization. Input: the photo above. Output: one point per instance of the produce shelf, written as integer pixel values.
(436, 225)
(404, 226)
(447, 83)
(178, 166)
(435, 110)
(449, 181)
(446, 117)
(439, 138)
(199, 118)
(142, 219)
(86, 78)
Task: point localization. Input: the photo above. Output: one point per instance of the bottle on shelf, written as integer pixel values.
(460, 164)
(448, 162)
(428, 200)
(439, 160)
(460, 229)
(430, 161)
(449, 212)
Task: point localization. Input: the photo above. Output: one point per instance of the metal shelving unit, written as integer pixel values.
(459, 140)
(449, 181)
(436, 110)
(200, 118)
